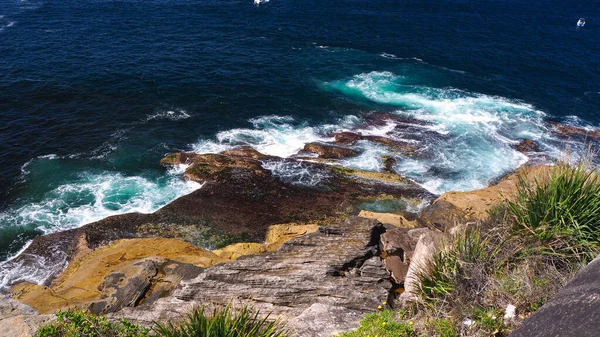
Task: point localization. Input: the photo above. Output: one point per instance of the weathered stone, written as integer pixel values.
(429, 243)
(442, 215)
(573, 312)
(23, 325)
(85, 280)
(396, 220)
(397, 268)
(398, 242)
(19, 320)
(453, 208)
(237, 203)
(373, 268)
(329, 151)
(179, 158)
(247, 152)
(307, 275)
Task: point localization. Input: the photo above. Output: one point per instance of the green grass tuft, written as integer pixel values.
(562, 212)
(384, 323)
(223, 322)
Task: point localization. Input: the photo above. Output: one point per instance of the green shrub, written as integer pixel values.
(84, 324)
(561, 212)
(439, 278)
(384, 323)
(222, 323)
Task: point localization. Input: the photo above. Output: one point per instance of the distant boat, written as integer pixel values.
(258, 2)
(581, 22)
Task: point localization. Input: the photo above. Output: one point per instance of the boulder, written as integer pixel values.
(334, 271)
(527, 145)
(573, 312)
(429, 243)
(397, 247)
(329, 151)
(388, 164)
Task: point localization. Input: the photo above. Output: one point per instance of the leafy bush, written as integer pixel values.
(384, 323)
(562, 212)
(84, 324)
(222, 323)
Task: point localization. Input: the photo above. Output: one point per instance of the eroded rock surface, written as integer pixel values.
(334, 274)
(243, 194)
(19, 320)
(329, 151)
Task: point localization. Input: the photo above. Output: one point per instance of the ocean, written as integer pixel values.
(93, 93)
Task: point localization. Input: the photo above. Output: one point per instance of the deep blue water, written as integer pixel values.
(93, 93)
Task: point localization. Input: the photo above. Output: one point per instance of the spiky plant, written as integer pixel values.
(224, 322)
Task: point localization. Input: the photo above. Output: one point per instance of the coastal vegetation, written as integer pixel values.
(223, 322)
(488, 277)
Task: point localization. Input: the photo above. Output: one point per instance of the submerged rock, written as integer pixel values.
(527, 145)
(334, 273)
(570, 131)
(350, 138)
(329, 151)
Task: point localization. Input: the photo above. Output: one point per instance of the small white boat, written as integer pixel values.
(581, 22)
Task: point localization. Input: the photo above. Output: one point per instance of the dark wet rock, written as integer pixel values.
(388, 164)
(179, 158)
(329, 151)
(572, 131)
(237, 203)
(381, 119)
(573, 312)
(335, 269)
(141, 282)
(350, 138)
(247, 152)
(527, 145)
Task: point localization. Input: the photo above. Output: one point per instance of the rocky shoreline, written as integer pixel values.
(287, 244)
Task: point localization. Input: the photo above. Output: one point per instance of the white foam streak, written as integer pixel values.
(271, 135)
(173, 115)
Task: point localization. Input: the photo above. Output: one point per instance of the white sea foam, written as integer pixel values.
(295, 172)
(94, 197)
(271, 135)
(32, 268)
(174, 115)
